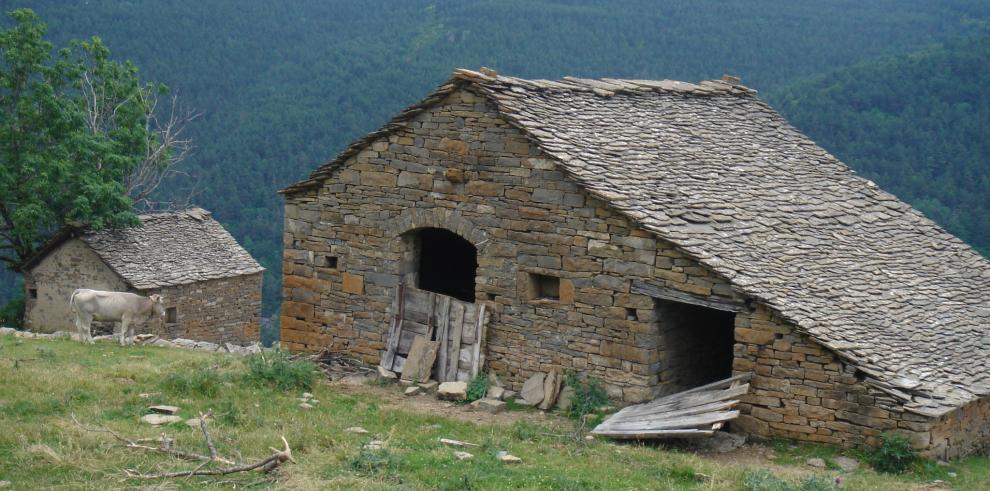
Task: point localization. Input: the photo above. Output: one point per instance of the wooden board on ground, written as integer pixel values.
(697, 412)
(419, 363)
(457, 327)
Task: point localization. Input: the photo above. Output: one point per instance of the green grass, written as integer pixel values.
(107, 385)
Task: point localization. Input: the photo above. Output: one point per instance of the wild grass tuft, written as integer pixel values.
(278, 369)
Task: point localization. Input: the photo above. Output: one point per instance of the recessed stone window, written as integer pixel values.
(631, 315)
(329, 262)
(171, 315)
(544, 287)
(33, 293)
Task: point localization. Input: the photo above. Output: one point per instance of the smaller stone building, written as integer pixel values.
(211, 285)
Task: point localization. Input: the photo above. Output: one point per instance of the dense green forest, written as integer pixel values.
(283, 86)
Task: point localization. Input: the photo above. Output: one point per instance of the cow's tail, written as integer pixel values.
(72, 301)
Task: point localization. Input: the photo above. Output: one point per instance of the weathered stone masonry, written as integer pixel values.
(654, 234)
(463, 168)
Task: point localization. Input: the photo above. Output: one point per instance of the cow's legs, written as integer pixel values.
(123, 330)
(83, 322)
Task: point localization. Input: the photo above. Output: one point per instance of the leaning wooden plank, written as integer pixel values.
(443, 324)
(454, 350)
(643, 435)
(719, 384)
(675, 423)
(476, 355)
(679, 401)
(703, 408)
(392, 343)
(419, 363)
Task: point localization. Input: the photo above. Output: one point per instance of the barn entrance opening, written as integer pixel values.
(446, 263)
(698, 343)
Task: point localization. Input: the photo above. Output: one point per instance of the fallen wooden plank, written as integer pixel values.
(712, 406)
(690, 400)
(622, 435)
(675, 423)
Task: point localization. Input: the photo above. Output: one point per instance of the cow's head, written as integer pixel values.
(158, 307)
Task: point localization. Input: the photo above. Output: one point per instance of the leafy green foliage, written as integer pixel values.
(12, 313)
(278, 369)
(588, 395)
(370, 462)
(477, 387)
(72, 128)
(199, 381)
(894, 455)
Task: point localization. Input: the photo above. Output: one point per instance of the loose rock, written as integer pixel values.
(532, 391)
(816, 462)
(307, 395)
(493, 406)
(411, 391)
(160, 419)
(847, 464)
(496, 393)
(357, 430)
(507, 458)
(452, 391)
(551, 387)
(164, 409)
(566, 398)
(463, 455)
(429, 387)
(386, 374)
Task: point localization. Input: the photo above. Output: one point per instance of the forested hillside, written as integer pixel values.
(283, 86)
(917, 124)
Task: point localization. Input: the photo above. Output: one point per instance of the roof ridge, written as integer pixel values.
(607, 87)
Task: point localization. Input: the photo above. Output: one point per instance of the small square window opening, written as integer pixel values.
(544, 287)
(33, 293)
(171, 316)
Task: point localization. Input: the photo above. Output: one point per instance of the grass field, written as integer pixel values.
(43, 384)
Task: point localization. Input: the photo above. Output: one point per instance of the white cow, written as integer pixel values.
(127, 308)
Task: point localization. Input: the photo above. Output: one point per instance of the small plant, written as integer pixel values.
(370, 462)
(764, 480)
(229, 414)
(894, 455)
(46, 354)
(588, 396)
(280, 370)
(477, 388)
(818, 482)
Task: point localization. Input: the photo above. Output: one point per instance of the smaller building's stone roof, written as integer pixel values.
(170, 249)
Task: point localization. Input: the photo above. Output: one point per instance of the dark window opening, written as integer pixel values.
(33, 293)
(631, 314)
(544, 287)
(698, 342)
(171, 315)
(860, 375)
(328, 262)
(447, 264)
(491, 296)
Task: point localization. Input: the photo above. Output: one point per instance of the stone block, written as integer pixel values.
(353, 283)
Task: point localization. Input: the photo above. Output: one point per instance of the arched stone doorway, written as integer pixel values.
(441, 261)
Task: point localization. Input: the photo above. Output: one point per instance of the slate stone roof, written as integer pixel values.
(172, 249)
(714, 170)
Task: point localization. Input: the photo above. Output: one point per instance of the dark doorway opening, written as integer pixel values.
(698, 342)
(447, 263)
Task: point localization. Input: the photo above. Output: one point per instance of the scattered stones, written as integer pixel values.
(463, 455)
(493, 406)
(356, 380)
(816, 462)
(452, 391)
(306, 405)
(307, 395)
(566, 398)
(5, 484)
(374, 445)
(532, 391)
(507, 458)
(412, 391)
(429, 387)
(356, 430)
(847, 464)
(160, 419)
(193, 423)
(164, 409)
(386, 374)
(495, 392)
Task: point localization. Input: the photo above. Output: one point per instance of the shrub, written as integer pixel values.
(280, 370)
(894, 455)
(817, 482)
(372, 462)
(588, 396)
(478, 387)
(201, 381)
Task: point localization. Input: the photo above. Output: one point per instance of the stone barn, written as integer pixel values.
(211, 285)
(656, 235)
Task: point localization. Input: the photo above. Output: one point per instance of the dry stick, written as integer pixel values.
(206, 435)
(268, 464)
(165, 448)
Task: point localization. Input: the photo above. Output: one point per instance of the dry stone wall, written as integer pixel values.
(224, 310)
(50, 283)
(461, 167)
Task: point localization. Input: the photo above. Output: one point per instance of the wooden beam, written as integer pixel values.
(665, 293)
(392, 343)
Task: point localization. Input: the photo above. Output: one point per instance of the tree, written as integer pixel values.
(80, 139)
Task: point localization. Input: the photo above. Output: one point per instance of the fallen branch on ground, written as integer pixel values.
(268, 464)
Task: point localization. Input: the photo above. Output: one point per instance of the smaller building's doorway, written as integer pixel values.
(697, 343)
(446, 263)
